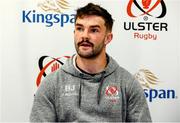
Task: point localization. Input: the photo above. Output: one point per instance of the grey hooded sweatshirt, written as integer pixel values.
(69, 95)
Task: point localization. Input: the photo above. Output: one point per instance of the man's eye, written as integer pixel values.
(94, 30)
(79, 29)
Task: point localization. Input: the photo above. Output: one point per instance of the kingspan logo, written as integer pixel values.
(149, 81)
(155, 9)
(53, 13)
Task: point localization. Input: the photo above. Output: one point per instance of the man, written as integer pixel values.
(90, 86)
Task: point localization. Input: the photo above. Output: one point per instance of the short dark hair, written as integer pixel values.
(92, 9)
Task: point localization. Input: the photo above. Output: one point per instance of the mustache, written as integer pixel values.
(85, 42)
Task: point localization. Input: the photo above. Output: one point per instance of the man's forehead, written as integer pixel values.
(90, 20)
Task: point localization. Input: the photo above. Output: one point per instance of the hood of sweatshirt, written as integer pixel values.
(69, 68)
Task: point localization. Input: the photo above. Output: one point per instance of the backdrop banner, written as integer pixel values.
(36, 38)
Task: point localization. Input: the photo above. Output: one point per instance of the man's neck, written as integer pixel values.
(92, 66)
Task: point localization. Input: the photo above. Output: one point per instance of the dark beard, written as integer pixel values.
(95, 52)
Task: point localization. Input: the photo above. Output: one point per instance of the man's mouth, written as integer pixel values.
(86, 44)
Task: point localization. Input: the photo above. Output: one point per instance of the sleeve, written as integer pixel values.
(137, 107)
(43, 109)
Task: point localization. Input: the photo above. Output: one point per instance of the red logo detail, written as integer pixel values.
(111, 91)
(54, 67)
(146, 4)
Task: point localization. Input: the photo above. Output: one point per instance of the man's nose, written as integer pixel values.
(85, 35)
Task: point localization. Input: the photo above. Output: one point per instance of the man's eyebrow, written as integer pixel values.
(95, 26)
(92, 26)
(78, 24)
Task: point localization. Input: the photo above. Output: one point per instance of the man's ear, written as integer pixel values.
(108, 38)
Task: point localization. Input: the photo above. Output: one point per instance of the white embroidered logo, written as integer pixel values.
(69, 90)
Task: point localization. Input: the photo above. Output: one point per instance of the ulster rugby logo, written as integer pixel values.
(49, 64)
(111, 91)
(146, 7)
(146, 29)
(146, 78)
(53, 5)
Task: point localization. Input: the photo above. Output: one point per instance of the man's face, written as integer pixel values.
(90, 36)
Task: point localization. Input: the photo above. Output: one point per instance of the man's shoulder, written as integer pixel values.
(123, 71)
(54, 77)
(124, 75)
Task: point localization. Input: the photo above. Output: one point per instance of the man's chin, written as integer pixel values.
(86, 55)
